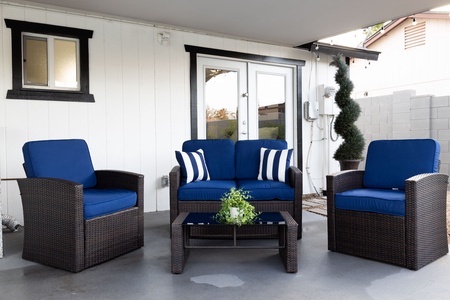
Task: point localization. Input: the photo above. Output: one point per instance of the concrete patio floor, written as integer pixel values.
(222, 274)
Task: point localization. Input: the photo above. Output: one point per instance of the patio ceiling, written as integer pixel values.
(282, 22)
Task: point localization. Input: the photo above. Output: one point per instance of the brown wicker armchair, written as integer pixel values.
(412, 239)
(57, 232)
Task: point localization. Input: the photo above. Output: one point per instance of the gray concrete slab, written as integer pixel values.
(222, 274)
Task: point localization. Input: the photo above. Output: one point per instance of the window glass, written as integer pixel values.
(271, 106)
(50, 62)
(66, 63)
(35, 61)
(221, 101)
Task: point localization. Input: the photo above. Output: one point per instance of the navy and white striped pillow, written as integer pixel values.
(193, 166)
(274, 164)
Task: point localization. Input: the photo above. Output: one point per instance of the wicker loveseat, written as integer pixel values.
(235, 165)
(75, 217)
(395, 210)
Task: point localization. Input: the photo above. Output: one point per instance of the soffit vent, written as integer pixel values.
(415, 35)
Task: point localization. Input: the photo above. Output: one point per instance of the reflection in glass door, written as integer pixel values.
(271, 106)
(221, 107)
(271, 95)
(233, 108)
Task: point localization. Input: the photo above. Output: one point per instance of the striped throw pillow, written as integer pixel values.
(274, 164)
(193, 166)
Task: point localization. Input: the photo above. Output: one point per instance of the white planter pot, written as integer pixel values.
(234, 212)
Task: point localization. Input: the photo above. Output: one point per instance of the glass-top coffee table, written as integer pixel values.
(181, 241)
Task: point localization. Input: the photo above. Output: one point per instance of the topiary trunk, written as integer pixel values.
(353, 144)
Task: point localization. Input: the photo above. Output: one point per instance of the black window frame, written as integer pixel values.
(19, 92)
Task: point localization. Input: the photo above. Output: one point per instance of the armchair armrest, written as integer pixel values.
(336, 183)
(53, 210)
(117, 179)
(296, 181)
(425, 215)
(63, 198)
(295, 177)
(344, 181)
(114, 179)
(174, 183)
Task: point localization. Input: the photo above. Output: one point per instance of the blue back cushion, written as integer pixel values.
(64, 159)
(248, 153)
(219, 156)
(390, 162)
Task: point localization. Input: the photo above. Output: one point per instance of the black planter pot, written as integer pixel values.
(349, 164)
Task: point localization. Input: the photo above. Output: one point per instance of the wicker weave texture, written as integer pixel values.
(412, 241)
(286, 233)
(56, 234)
(294, 208)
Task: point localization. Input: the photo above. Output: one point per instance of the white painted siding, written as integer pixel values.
(141, 113)
(423, 68)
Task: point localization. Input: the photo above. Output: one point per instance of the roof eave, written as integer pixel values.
(350, 52)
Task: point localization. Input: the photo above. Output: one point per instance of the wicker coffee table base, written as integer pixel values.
(287, 245)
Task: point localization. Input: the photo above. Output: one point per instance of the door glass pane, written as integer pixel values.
(66, 64)
(271, 106)
(35, 61)
(221, 102)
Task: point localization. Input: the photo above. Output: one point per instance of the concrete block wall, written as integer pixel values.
(403, 115)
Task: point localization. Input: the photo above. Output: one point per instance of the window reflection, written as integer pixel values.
(271, 106)
(221, 102)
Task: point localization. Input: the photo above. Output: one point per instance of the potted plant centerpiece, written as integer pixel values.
(349, 153)
(235, 209)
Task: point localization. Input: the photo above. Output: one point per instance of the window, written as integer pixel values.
(49, 62)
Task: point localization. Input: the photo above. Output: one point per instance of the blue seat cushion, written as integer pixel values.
(390, 162)
(383, 201)
(99, 202)
(248, 156)
(63, 159)
(219, 156)
(267, 189)
(205, 190)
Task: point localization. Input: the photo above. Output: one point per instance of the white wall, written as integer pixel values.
(423, 68)
(141, 113)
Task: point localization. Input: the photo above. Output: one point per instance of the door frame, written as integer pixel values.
(298, 64)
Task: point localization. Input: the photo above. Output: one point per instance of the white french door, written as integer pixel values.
(244, 100)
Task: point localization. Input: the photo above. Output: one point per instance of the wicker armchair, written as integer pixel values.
(410, 237)
(57, 232)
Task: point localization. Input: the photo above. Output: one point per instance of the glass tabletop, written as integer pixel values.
(197, 218)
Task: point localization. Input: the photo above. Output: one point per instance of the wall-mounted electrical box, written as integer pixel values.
(325, 97)
(311, 110)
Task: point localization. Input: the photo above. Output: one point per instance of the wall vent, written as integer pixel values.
(415, 35)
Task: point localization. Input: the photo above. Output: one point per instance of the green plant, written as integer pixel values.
(353, 145)
(236, 198)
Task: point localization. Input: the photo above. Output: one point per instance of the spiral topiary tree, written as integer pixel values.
(353, 144)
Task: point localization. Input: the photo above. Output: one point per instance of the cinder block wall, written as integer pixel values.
(404, 115)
